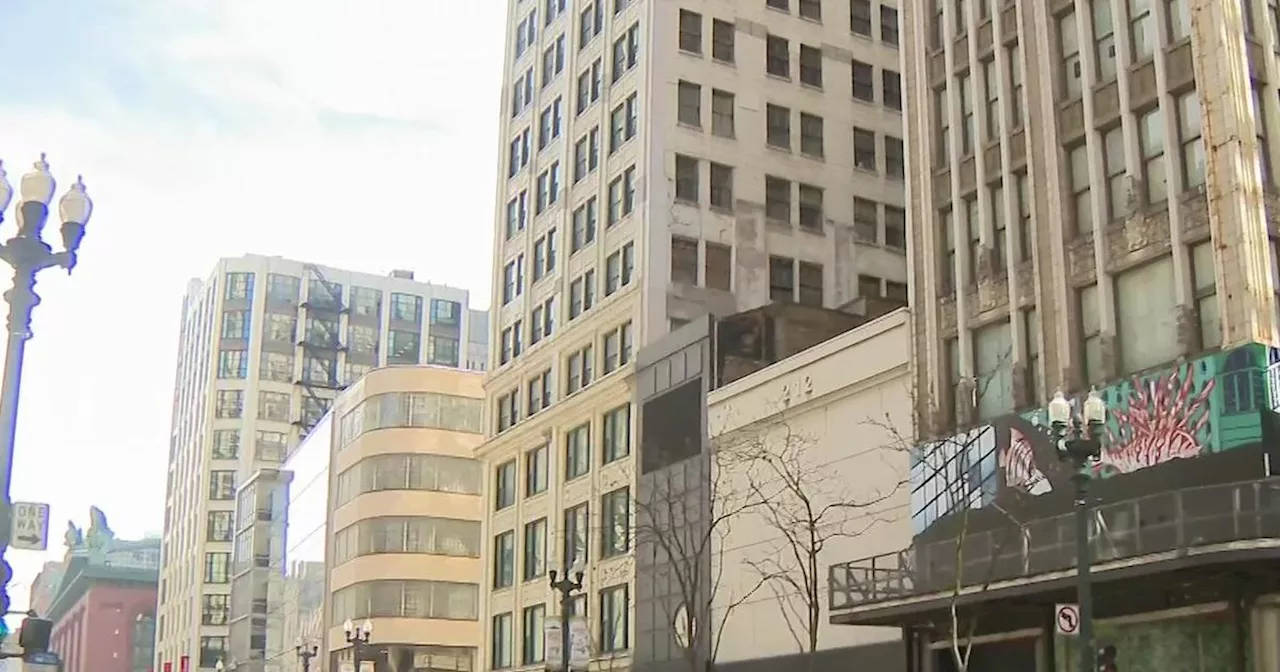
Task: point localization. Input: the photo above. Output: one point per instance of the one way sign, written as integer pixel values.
(29, 530)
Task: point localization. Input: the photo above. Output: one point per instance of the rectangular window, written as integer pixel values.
(860, 17)
(778, 126)
(993, 369)
(577, 452)
(721, 186)
(233, 364)
(811, 140)
(1192, 149)
(811, 283)
(892, 85)
(1114, 163)
(1082, 205)
(722, 113)
(533, 649)
(718, 266)
(1146, 316)
(895, 162)
(504, 478)
(778, 56)
(1151, 126)
(535, 471)
(1090, 319)
(504, 559)
(782, 285)
(777, 199)
(1104, 40)
(617, 433)
(219, 526)
(686, 179)
(226, 444)
(615, 609)
(584, 226)
(615, 528)
(235, 324)
(811, 10)
(1015, 79)
(239, 287)
(1069, 44)
(1204, 277)
(690, 32)
(503, 642)
(689, 103)
(1142, 34)
(947, 232)
(864, 85)
(222, 485)
(864, 149)
(811, 212)
(889, 25)
(577, 530)
(722, 41)
(535, 549)
(217, 568)
(866, 224)
(895, 227)
(811, 66)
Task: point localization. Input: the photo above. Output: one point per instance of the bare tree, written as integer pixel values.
(680, 528)
(804, 503)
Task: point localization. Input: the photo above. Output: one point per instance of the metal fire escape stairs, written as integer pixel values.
(322, 345)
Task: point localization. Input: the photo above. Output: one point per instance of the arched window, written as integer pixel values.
(144, 642)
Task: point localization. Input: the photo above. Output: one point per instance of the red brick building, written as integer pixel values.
(104, 609)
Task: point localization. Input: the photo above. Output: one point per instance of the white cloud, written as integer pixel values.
(215, 129)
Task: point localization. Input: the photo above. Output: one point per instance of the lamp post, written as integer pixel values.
(27, 254)
(306, 653)
(566, 585)
(1079, 442)
(219, 666)
(358, 639)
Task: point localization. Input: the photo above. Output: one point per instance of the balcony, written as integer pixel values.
(1193, 526)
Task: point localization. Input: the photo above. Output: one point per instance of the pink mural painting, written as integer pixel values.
(1161, 422)
(1018, 462)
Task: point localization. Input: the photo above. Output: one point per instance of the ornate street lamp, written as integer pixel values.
(566, 586)
(306, 653)
(1079, 442)
(358, 639)
(27, 254)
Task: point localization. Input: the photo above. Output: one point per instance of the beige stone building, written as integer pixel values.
(661, 159)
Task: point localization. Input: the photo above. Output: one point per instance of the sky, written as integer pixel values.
(359, 134)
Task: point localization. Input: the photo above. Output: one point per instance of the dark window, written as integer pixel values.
(671, 427)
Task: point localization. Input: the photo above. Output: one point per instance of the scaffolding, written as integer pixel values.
(319, 379)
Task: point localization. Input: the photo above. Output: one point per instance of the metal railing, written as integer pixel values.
(1174, 521)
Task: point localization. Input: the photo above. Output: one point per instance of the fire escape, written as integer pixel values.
(321, 343)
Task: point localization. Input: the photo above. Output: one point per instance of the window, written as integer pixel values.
(892, 84)
(274, 406)
(1146, 316)
(974, 226)
(777, 199)
(544, 255)
(860, 17)
(526, 33)
(617, 433)
(1031, 333)
(577, 452)
(1069, 43)
(504, 478)
(965, 85)
(1203, 276)
(1015, 79)
(1000, 227)
(864, 83)
(811, 65)
(522, 93)
(582, 294)
(689, 103)
(718, 260)
(584, 226)
(1114, 162)
(222, 485)
(508, 410)
(895, 227)
(539, 392)
(535, 549)
(1142, 29)
(270, 446)
(217, 568)
(512, 279)
(213, 648)
(866, 224)
(946, 231)
(626, 52)
(810, 198)
(553, 61)
(942, 110)
(778, 56)
(888, 24)
(721, 186)
(1151, 142)
(504, 559)
(218, 526)
(684, 260)
(614, 625)
(417, 472)
(229, 403)
(686, 179)
(214, 609)
(239, 286)
(784, 5)
(535, 471)
(722, 113)
(1082, 208)
(533, 636)
(226, 444)
(232, 364)
(993, 368)
(1192, 148)
(1179, 13)
(235, 324)
(811, 9)
(443, 350)
(615, 537)
(864, 149)
(722, 41)
(589, 85)
(778, 126)
(895, 290)
(586, 155)
(1024, 218)
(811, 284)
(622, 124)
(619, 269)
(811, 135)
(895, 164)
(580, 374)
(503, 640)
(590, 23)
(548, 188)
(622, 195)
(781, 279)
(1104, 40)
(577, 528)
(690, 32)
(283, 289)
(1090, 320)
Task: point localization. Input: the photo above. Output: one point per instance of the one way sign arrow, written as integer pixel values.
(32, 539)
(29, 526)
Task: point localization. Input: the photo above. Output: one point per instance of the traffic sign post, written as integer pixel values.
(1066, 619)
(29, 526)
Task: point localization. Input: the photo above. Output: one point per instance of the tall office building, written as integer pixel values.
(265, 345)
(1094, 206)
(664, 159)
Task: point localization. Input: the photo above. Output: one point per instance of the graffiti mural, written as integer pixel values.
(1202, 407)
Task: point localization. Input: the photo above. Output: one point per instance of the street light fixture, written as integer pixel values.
(219, 666)
(566, 585)
(306, 653)
(1079, 442)
(358, 639)
(27, 254)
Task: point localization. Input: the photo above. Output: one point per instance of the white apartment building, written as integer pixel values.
(664, 159)
(265, 345)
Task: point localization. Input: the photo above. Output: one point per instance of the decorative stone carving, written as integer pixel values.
(1080, 262)
(1025, 273)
